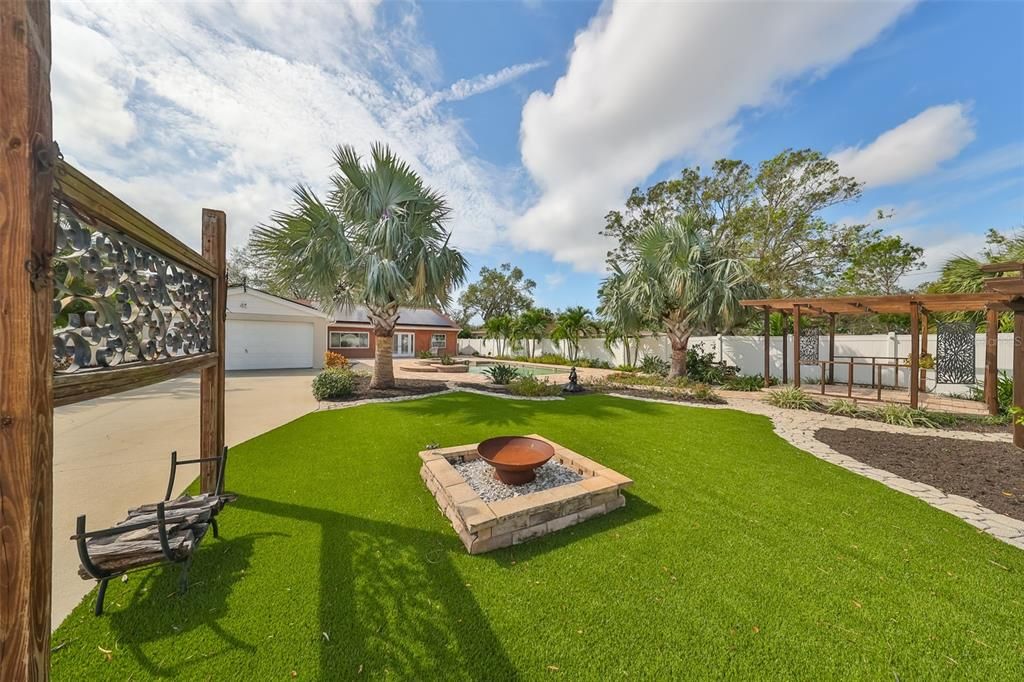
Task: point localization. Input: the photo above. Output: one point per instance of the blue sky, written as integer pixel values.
(535, 118)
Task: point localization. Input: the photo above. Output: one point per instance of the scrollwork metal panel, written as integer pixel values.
(955, 354)
(118, 302)
(809, 344)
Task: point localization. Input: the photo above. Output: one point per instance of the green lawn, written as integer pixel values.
(737, 555)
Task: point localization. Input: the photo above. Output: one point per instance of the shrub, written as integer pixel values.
(332, 384)
(530, 385)
(745, 383)
(652, 364)
(424, 355)
(626, 368)
(501, 374)
(904, 415)
(634, 379)
(704, 393)
(791, 398)
(447, 359)
(334, 360)
(843, 408)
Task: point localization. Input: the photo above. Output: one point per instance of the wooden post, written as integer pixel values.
(211, 385)
(27, 155)
(915, 350)
(831, 348)
(785, 348)
(796, 346)
(924, 349)
(767, 347)
(991, 361)
(1018, 372)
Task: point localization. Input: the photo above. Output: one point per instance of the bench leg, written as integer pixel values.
(100, 595)
(183, 580)
(213, 526)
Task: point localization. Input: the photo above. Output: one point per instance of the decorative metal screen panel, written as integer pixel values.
(118, 302)
(954, 354)
(809, 343)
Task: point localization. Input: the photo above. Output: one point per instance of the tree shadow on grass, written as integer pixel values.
(394, 601)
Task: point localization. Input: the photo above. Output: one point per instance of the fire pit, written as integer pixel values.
(514, 458)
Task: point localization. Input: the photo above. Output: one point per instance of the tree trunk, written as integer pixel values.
(384, 330)
(679, 341)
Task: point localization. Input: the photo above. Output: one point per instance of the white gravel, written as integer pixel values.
(480, 477)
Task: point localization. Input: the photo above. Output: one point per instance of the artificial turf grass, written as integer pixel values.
(736, 555)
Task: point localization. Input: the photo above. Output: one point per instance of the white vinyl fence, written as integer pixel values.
(746, 352)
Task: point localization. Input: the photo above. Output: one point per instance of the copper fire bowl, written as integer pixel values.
(514, 458)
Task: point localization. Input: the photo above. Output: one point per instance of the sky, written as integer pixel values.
(536, 118)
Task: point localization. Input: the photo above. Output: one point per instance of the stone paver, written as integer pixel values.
(799, 426)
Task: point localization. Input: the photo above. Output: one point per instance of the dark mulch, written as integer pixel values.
(991, 474)
(403, 387)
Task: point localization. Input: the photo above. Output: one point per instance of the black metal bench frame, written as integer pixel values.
(102, 576)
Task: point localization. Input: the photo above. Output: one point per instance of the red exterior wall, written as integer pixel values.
(422, 342)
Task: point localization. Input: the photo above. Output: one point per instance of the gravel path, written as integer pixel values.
(480, 477)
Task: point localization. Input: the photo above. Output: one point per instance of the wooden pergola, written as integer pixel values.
(1001, 294)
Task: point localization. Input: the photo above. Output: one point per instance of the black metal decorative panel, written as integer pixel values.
(954, 354)
(809, 343)
(118, 302)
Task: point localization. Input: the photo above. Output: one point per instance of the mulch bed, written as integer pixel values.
(403, 387)
(991, 474)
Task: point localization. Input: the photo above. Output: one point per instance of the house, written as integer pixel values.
(418, 330)
(264, 331)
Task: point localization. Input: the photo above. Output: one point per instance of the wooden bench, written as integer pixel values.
(165, 532)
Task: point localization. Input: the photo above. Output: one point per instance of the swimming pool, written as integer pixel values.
(524, 370)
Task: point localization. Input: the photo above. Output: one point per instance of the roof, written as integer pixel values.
(407, 317)
(260, 293)
(869, 305)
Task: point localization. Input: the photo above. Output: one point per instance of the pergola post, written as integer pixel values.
(1018, 370)
(915, 349)
(923, 380)
(991, 360)
(785, 348)
(211, 385)
(767, 347)
(26, 345)
(796, 346)
(831, 348)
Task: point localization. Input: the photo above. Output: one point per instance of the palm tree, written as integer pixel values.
(530, 327)
(684, 282)
(500, 328)
(378, 240)
(572, 325)
(623, 322)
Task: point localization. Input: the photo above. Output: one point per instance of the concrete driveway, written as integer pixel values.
(113, 453)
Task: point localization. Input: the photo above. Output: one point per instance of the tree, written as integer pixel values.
(878, 263)
(245, 267)
(571, 325)
(379, 240)
(530, 327)
(623, 321)
(685, 282)
(769, 219)
(500, 329)
(504, 290)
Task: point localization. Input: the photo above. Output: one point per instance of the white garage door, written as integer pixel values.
(268, 345)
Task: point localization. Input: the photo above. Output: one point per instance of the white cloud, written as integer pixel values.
(177, 106)
(554, 280)
(650, 82)
(914, 148)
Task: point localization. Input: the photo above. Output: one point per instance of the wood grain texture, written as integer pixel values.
(915, 353)
(26, 411)
(211, 385)
(96, 383)
(991, 361)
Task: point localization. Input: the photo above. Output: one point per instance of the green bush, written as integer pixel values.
(530, 385)
(704, 393)
(904, 415)
(627, 368)
(745, 383)
(501, 374)
(792, 398)
(335, 383)
(652, 364)
(843, 408)
(634, 379)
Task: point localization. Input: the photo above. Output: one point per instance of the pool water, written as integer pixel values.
(523, 370)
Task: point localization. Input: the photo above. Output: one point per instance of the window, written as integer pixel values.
(439, 341)
(349, 340)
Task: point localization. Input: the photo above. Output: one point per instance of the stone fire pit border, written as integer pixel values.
(485, 526)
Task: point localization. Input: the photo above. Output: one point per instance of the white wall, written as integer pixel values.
(746, 352)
